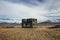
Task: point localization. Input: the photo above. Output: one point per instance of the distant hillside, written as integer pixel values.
(48, 22)
(8, 24)
(45, 22)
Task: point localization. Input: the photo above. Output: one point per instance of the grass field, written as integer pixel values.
(29, 34)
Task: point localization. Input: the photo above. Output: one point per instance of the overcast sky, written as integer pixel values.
(43, 10)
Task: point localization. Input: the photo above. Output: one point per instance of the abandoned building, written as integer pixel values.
(29, 23)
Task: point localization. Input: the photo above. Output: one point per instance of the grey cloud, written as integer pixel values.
(40, 9)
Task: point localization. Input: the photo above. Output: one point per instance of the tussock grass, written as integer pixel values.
(29, 34)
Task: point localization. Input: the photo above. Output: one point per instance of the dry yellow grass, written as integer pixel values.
(29, 34)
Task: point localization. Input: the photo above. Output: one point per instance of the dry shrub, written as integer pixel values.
(56, 26)
(10, 27)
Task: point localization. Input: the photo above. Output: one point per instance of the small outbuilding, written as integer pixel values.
(29, 23)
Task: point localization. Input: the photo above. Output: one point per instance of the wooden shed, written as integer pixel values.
(29, 23)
